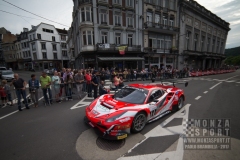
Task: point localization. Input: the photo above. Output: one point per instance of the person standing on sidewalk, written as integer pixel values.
(56, 83)
(33, 84)
(8, 92)
(89, 85)
(95, 84)
(20, 86)
(45, 82)
(79, 79)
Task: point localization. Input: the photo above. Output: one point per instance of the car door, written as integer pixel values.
(155, 103)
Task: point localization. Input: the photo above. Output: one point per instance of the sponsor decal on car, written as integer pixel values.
(124, 119)
(122, 137)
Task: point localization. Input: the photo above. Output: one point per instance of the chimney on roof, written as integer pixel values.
(25, 29)
(33, 27)
(64, 29)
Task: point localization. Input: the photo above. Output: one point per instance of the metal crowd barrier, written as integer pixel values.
(63, 92)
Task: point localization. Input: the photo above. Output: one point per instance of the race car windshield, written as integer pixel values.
(131, 95)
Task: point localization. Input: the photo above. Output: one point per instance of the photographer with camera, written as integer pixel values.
(20, 86)
(33, 84)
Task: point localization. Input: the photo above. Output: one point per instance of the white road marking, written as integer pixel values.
(230, 81)
(17, 110)
(81, 103)
(160, 131)
(215, 85)
(198, 97)
(231, 77)
(205, 92)
(9, 114)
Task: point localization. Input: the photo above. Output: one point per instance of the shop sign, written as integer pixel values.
(105, 45)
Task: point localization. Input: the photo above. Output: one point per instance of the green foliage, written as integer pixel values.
(232, 52)
(233, 56)
(232, 60)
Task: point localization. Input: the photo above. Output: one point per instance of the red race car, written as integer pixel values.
(128, 110)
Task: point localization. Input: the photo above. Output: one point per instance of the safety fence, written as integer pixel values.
(43, 96)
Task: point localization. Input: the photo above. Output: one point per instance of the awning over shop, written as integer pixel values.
(120, 58)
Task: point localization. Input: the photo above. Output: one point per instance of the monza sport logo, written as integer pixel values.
(207, 134)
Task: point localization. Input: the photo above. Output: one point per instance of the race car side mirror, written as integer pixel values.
(186, 84)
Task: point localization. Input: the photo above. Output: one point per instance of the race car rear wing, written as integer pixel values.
(174, 82)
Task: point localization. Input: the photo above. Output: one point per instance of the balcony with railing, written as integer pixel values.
(115, 48)
(157, 27)
(160, 50)
(81, 2)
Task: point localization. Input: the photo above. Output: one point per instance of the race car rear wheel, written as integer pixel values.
(180, 103)
(139, 122)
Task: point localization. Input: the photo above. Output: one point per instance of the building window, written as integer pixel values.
(27, 44)
(208, 44)
(154, 60)
(53, 39)
(130, 40)
(30, 37)
(54, 47)
(47, 30)
(104, 37)
(64, 53)
(103, 16)
(169, 60)
(87, 38)
(168, 42)
(34, 56)
(130, 20)
(172, 4)
(64, 45)
(217, 46)
(44, 54)
(195, 41)
(171, 21)
(55, 56)
(43, 46)
(33, 36)
(118, 18)
(221, 47)
(149, 16)
(164, 20)
(129, 3)
(158, 2)
(117, 1)
(165, 3)
(157, 18)
(39, 36)
(202, 43)
(188, 39)
(63, 38)
(86, 14)
(117, 38)
(213, 46)
(33, 46)
(29, 54)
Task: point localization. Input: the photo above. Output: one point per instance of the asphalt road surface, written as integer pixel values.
(59, 132)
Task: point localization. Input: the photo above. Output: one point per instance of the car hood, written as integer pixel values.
(8, 76)
(106, 106)
(111, 103)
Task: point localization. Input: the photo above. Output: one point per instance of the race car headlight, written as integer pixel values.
(114, 118)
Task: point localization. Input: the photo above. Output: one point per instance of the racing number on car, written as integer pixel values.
(154, 111)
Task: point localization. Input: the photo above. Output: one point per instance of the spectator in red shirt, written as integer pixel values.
(3, 95)
(88, 78)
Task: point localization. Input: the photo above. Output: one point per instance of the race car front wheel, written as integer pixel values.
(139, 122)
(180, 103)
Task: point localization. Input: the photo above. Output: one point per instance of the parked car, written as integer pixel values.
(7, 75)
(2, 69)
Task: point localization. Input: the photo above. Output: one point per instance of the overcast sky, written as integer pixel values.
(61, 12)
